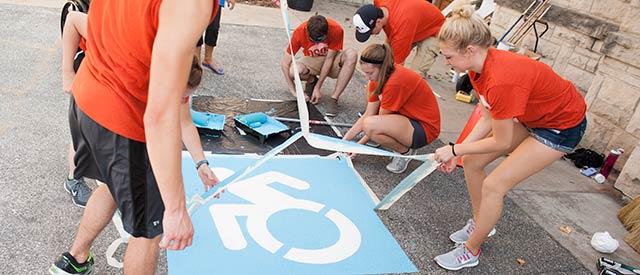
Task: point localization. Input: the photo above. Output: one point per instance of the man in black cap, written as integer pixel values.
(407, 24)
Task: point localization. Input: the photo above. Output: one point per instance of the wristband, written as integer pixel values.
(453, 151)
(200, 163)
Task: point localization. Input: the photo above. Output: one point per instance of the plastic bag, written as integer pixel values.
(603, 242)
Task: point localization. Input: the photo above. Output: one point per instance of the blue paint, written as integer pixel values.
(332, 183)
(206, 120)
(262, 123)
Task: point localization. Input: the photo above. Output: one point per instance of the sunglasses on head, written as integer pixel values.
(318, 39)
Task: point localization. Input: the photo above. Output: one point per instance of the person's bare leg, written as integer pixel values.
(208, 55)
(141, 256)
(513, 170)
(475, 165)
(305, 73)
(96, 216)
(72, 166)
(197, 51)
(349, 59)
(391, 131)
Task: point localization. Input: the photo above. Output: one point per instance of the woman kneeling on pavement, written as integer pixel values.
(402, 113)
(530, 113)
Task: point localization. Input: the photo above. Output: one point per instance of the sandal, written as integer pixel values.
(218, 71)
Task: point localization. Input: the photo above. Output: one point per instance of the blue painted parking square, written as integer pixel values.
(292, 215)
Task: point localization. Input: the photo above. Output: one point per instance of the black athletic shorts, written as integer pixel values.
(419, 136)
(123, 165)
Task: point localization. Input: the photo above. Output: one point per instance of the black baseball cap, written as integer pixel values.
(365, 20)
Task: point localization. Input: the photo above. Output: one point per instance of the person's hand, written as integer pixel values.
(448, 166)
(67, 80)
(231, 4)
(177, 228)
(315, 97)
(207, 177)
(443, 154)
(293, 92)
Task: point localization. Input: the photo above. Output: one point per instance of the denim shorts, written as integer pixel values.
(561, 140)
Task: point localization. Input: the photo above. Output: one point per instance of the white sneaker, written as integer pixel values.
(458, 258)
(399, 164)
(463, 234)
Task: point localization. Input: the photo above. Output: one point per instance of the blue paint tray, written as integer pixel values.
(260, 125)
(208, 123)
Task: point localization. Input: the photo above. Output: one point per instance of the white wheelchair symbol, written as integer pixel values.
(266, 201)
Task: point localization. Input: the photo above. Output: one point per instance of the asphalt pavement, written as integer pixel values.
(39, 220)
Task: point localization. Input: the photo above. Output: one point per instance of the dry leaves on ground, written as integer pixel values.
(566, 229)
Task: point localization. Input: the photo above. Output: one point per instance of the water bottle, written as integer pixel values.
(610, 161)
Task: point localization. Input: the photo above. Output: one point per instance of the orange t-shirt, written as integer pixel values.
(300, 39)
(83, 44)
(112, 84)
(410, 21)
(516, 86)
(406, 93)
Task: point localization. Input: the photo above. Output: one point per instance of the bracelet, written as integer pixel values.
(200, 163)
(453, 151)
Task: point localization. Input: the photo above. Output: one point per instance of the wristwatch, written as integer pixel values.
(200, 163)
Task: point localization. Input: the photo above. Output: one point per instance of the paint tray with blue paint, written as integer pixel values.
(208, 123)
(260, 125)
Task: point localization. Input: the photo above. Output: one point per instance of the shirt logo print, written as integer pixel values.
(319, 49)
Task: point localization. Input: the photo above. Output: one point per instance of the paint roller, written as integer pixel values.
(254, 120)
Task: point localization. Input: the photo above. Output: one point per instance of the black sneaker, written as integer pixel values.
(79, 190)
(67, 265)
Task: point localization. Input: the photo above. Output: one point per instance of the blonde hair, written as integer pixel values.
(381, 54)
(464, 27)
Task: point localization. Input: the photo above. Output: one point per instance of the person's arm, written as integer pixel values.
(481, 129)
(191, 140)
(372, 110)
(324, 71)
(500, 140)
(171, 59)
(75, 28)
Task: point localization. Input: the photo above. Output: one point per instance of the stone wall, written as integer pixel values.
(595, 44)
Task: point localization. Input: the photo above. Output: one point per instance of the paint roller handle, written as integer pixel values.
(314, 122)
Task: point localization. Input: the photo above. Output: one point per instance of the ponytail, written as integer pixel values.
(379, 55)
(464, 27)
